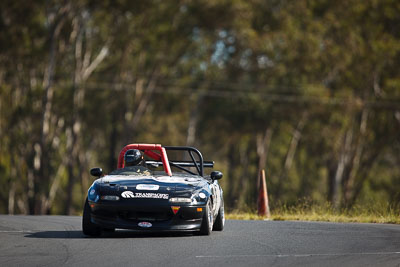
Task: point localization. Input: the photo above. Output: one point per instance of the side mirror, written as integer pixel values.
(96, 172)
(216, 175)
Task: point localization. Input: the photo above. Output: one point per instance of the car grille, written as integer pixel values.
(145, 216)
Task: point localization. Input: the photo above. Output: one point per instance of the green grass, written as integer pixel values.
(326, 213)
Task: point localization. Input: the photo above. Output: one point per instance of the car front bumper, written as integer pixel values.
(155, 216)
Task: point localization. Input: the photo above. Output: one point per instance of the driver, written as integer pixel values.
(133, 157)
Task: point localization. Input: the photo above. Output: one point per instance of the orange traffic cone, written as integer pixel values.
(262, 203)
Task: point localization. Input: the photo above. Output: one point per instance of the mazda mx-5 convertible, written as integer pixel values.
(149, 192)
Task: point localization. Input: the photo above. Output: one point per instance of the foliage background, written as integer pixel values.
(308, 90)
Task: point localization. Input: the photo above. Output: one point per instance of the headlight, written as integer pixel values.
(196, 198)
(199, 198)
(112, 198)
(93, 193)
(180, 200)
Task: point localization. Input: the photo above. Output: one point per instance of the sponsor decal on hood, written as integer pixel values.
(130, 194)
(147, 187)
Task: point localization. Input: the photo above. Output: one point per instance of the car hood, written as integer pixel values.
(176, 185)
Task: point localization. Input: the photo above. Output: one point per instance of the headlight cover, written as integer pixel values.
(93, 194)
(110, 198)
(199, 197)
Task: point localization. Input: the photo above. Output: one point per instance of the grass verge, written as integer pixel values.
(325, 213)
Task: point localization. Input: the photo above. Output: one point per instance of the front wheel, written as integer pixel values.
(208, 219)
(88, 227)
(220, 220)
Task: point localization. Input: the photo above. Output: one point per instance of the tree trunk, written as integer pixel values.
(348, 185)
(11, 197)
(291, 152)
(245, 180)
(41, 174)
(112, 158)
(119, 111)
(54, 186)
(142, 105)
(71, 141)
(83, 69)
(263, 144)
(231, 177)
(366, 166)
(342, 163)
(397, 116)
(193, 118)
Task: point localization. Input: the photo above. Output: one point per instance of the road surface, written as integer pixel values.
(58, 241)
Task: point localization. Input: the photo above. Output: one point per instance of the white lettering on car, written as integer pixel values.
(129, 194)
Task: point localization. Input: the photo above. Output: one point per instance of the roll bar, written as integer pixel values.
(160, 157)
(148, 149)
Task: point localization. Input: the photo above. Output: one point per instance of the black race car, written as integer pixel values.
(150, 197)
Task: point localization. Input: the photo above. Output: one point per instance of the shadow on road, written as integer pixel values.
(77, 234)
(57, 234)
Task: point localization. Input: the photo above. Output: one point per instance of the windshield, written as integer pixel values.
(132, 170)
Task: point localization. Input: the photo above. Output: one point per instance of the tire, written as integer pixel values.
(208, 219)
(88, 227)
(220, 220)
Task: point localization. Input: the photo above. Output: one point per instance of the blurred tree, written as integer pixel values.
(308, 90)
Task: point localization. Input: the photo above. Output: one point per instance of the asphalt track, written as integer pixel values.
(58, 241)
